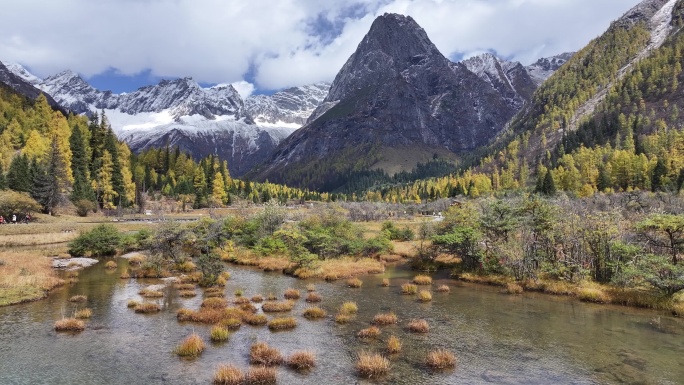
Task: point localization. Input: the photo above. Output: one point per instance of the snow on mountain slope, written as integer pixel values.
(23, 73)
(287, 108)
(543, 68)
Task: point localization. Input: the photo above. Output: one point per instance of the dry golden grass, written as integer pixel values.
(339, 268)
(409, 289)
(192, 346)
(404, 249)
(69, 325)
(393, 345)
(372, 365)
(354, 283)
(84, 313)
(25, 276)
(277, 306)
(239, 292)
(313, 312)
(184, 286)
(136, 259)
(291, 294)
(385, 282)
(513, 288)
(255, 319)
(110, 265)
(261, 375)
(418, 326)
(384, 319)
(593, 294)
(371, 332)
(422, 279)
(231, 323)
(187, 293)
(228, 375)
(219, 333)
(271, 297)
(257, 298)
(301, 360)
(310, 287)
(441, 359)
(240, 301)
(132, 303)
(282, 323)
(342, 318)
(215, 303)
(125, 274)
(443, 289)
(36, 239)
(262, 354)
(424, 296)
(249, 258)
(147, 307)
(349, 307)
(78, 298)
(313, 297)
(389, 258)
(148, 293)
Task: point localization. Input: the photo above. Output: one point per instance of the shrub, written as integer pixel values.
(78, 298)
(349, 308)
(301, 360)
(103, 240)
(396, 234)
(192, 346)
(313, 312)
(261, 375)
(424, 296)
(110, 265)
(277, 306)
(384, 319)
(313, 297)
(147, 307)
(228, 375)
(282, 323)
(262, 354)
(422, 280)
(219, 333)
(69, 325)
(84, 206)
(371, 332)
(372, 365)
(418, 326)
(291, 294)
(441, 359)
(409, 288)
(354, 282)
(385, 282)
(83, 313)
(393, 345)
(255, 319)
(443, 289)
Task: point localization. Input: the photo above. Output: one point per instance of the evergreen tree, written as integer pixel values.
(659, 172)
(3, 181)
(18, 176)
(79, 167)
(549, 186)
(603, 180)
(50, 183)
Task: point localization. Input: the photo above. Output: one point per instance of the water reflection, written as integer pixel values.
(502, 339)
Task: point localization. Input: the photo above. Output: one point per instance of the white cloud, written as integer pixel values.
(243, 88)
(282, 43)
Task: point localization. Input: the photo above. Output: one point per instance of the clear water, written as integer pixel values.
(498, 338)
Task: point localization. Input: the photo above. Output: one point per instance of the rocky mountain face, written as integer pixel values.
(181, 113)
(22, 83)
(543, 68)
(398, 96)
(289, 107)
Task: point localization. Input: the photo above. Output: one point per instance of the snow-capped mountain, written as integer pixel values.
(287, 108)
(543, 68)
(180, 112)
(22, 82)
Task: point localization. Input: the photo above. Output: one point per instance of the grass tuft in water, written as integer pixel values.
(313, 312)
(313, 297)
(409, 288)
(384, 319)
(147, 307)
(262, 354)
(424, 296)
(261, 375)
(393, 345)
(282, 323)
(83, 313)
(372, 365)
(443, 289)
(228, 375)
(371, 332)
(349, 308)
(219, 333)
(69, 325)
(441, 359)
(418, 326)
(192, 346)
(354, 283)
(302, 360)
(291, 294)
(78, 298)
(422, 279)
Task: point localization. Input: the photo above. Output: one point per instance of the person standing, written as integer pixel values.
(14, 219)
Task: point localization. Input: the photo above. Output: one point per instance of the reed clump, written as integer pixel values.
(371, 365)
(110, 265)
(231, 323)
(84, 313)
(354, 283)
(313, 297)
(441, 359)
(262, 354)
(228, 375)
(342, 318)
(418, 326)
(371, 332)
(132, 303)
(513, 288)
(409, 289)
(310, 287)
(240, 300)
(385, 282)
(291, 294)
(314, 312)
(393, 345)
(78, 298)
(69, 325)
(424, 296)
(219, 333)
(148, 293)
(422, 279)
(187, 293)
(254, 319)
(147, 307)
(277, 306)
(258, 298)
(349, 308)
(384, 319)
(261, 375)
(282, 323)
(184, 286)
(214, 292)
(191, 346)
(302, 360)
(214, 303)
(443, 289)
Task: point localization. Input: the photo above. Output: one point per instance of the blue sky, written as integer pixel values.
(266, 45)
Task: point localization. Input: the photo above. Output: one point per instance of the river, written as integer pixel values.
(498, 338)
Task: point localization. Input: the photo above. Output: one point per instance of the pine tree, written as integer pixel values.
(18, 175)
(659, 172)
(50, 183)
(79, 166)
(549, 186)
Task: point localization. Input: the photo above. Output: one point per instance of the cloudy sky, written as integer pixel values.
(265, 45)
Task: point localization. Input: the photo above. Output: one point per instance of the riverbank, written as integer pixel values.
(26, 276)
